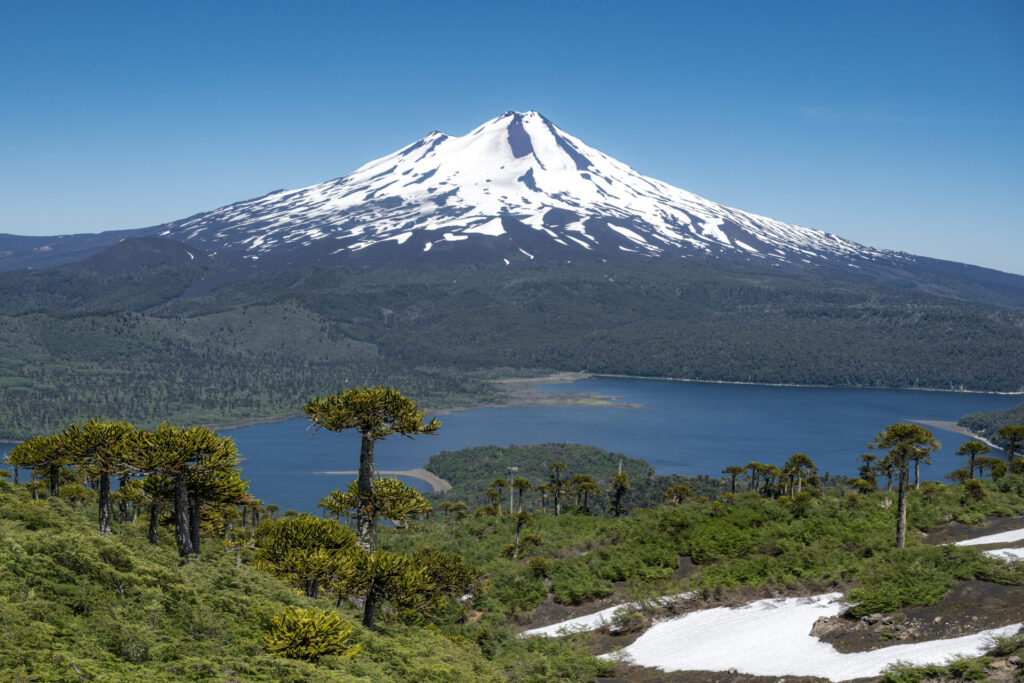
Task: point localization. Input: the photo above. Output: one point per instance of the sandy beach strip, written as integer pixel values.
(438, 484)
(957, 429)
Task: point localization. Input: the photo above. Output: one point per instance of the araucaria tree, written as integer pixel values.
(904, 442)
(972, 449)
(376, 413)
(800, 467)
(1013, 437)
(556, 469)
(202, 467)
(521, 484)
(47, 460)
(617, 496)
(101, 450)
(733, 471)
(305, 551)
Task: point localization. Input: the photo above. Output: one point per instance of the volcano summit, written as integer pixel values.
(517, 187)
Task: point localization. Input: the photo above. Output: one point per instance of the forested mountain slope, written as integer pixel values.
(155, 343)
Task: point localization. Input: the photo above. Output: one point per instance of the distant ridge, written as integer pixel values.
(516, 190)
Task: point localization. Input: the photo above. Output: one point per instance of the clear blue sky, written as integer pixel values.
(896, 124)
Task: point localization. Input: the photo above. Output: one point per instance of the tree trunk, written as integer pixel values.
(733, 488)
(971, 463)
(104, 502)
(15, 475)
(370, 608)
(901, 509)
(154, 514)
(312, 587)
(122, 505)
(182, 534)
(52, 480)
(194, 518)
(917, 473)
(366, 524)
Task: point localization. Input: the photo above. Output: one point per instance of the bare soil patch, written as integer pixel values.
(957, 531)
(970, 607)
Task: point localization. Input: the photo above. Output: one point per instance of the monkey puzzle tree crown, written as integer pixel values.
(375, 412)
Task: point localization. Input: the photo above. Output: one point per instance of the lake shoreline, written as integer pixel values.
(435, 482)
(956, 429)
(522, 393)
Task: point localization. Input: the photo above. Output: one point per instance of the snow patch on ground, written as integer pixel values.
(592, 622)
(772, 638)
(1008, 554)
(1005, 537)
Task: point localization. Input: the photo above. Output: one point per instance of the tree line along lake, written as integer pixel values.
(685, 428)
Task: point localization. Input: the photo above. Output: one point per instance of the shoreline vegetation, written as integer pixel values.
(950, 426)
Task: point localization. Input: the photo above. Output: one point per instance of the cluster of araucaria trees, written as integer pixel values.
(185, 475)
(576, 493)
(772, 481)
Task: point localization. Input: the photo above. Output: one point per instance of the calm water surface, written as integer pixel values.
(680, 427)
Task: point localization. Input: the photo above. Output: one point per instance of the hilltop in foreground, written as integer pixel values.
(79, 606)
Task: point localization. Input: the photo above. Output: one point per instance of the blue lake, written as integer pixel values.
(679, 428)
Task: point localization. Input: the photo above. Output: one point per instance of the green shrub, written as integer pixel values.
(573, 582)
(969, 669)
(912, 576)
(309, 634)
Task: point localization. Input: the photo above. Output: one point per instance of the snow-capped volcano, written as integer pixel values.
(516, 187)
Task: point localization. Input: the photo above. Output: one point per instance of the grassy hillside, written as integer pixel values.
(77, 606)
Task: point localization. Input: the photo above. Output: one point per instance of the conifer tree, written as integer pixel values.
(383, 577)
(1013, 436)
(47, 460)
(617, 497)
(904, 441)
(304, 550)
(802, 467)
(972, 449)
(677, 494)
(376, 413)
(101, 449)
(193, 457)
(555, 487)
(521, 484)
(733, 471)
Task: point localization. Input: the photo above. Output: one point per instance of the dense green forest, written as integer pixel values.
(472, 470)
(989, 423)
(193, 344)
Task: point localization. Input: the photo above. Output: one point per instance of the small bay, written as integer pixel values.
(685, 428)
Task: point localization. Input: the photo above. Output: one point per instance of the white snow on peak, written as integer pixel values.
(519, 167)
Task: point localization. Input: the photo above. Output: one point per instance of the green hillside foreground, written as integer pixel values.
(191, 345)
(78, 606)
